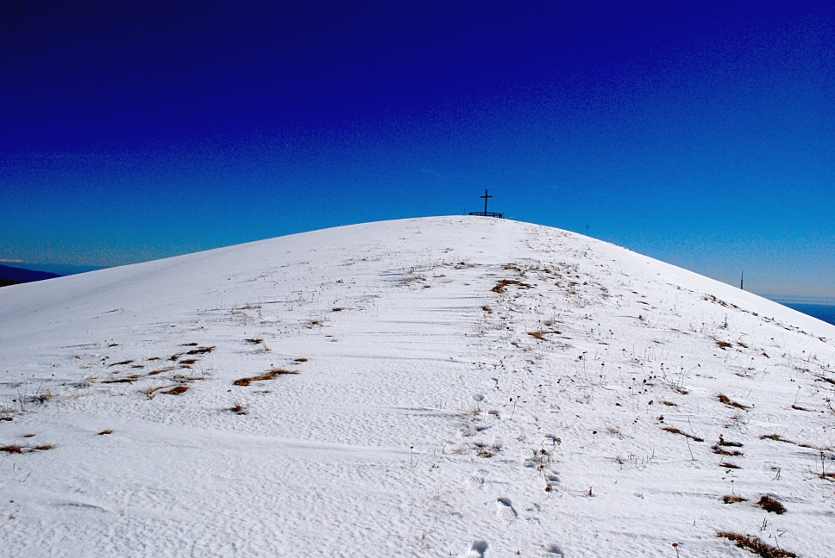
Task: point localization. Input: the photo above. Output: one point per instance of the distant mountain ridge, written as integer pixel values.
(14, 275)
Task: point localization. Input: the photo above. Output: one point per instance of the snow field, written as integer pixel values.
(443, 386)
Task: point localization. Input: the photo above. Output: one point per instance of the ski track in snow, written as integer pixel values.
(450, 386)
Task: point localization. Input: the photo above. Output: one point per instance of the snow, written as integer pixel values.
(472, 387)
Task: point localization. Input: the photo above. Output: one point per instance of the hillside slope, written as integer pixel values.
(444, 386)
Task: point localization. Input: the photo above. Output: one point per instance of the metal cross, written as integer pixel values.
(486, 197)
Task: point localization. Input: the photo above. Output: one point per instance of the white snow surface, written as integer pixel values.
(472, 387)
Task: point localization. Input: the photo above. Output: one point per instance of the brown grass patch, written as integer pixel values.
(669, 404)
(719, 451)
(769, 504)
(177, 390)
(154, 358)
(733, 499)
(725, 401)
(160, 371)
(337, 309)
(727, 465)
(254, 340)
(677, 431)
(187, 361)
(500, 286)
(537, 334)
(272, 374)
(756, 546)
(487, 309)
(174, 358)
(24, 449)
(200, 351)
(125, 380)
(120, 363)
(776, 438)
(104, 432)
(300, 359)
(724, 442)
(192, 344)
(724, 345)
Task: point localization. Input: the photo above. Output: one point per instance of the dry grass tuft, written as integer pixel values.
(120, 363)
(776, 438)
(254, 340)
(723, 442)
(200, 351)
(487, 309)
(177, 390)
(733, 499)
(500, 286)
(24, 449)
(187, 361)
(725, 401)
(719, 451)
(104, 432)
(272, 374)
(769, 504)
(537, 334)
(677, 431)
(337, 309)
(669, 404)
(125, 380)
(300, 359)
(724, 345)
(727, 465)
(756, 546)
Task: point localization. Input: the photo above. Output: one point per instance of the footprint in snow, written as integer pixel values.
(504, 510)
(474, 482)
(552, 551)
(476, 550)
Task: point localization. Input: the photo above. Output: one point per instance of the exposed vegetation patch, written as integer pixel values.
(732, 499)
(104, 432)
(756, 546)
(725, 401)
(723, 345)
(769, 504)
(120, 363)
(677, 431)
(720, 451)
(727, 465)
(500, 286)
(177, 390)
(125, 380)
(272, 374)
(200, 351)
(23, 449)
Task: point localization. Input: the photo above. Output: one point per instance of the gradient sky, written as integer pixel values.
(700, 133)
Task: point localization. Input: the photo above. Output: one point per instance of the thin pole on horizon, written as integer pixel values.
(741, 280)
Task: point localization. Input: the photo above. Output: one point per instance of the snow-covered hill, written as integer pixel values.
(452, 386)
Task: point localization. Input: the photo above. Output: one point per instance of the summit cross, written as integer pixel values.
(486, 197)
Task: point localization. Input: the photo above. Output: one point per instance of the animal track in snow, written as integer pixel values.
(504, 510)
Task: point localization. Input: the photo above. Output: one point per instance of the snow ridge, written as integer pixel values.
(459, 386)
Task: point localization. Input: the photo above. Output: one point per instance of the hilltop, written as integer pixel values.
(442, 386)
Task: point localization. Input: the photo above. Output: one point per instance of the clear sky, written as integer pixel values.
(701, 133)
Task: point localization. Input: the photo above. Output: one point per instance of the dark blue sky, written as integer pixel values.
(701, 133)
